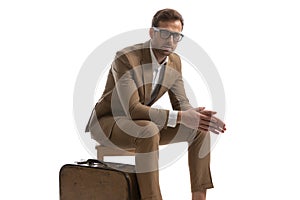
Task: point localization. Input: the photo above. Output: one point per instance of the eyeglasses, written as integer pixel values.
(165, 34)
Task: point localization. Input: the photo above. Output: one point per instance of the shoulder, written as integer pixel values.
(174, 57)
(131, 52)
(128, 58)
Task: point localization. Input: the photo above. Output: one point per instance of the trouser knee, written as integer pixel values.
(201, 144)
(148, 144)
(147, 150)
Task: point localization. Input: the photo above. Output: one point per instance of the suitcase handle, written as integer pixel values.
(92, 162)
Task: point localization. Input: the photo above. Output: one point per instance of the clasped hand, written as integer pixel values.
(201, 119)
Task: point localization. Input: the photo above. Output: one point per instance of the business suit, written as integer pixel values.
(124, 116)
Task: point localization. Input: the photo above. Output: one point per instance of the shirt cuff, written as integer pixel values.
(172, 120)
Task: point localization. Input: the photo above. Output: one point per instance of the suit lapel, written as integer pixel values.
(166, 79)
(146, 64)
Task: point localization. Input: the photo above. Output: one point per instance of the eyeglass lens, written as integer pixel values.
(166, 34)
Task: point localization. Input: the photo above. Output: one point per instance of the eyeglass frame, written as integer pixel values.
(170, 33)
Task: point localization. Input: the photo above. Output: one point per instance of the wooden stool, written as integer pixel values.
(110, 151)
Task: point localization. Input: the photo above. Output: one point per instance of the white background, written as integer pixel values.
(254, 44)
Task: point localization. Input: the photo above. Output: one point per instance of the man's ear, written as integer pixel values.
(151, 33)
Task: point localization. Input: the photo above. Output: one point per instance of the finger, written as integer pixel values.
(208, 112)
(219, 122)
(201, 109)
(208, 124)
(208, 128)
(208, 118)
(219, 130)
(216, 128)
(212, 124)
(204, 122)
(216, 132)
(201, 128)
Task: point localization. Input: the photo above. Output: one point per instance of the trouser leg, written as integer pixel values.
(198, 154)
(144, 137)
(199, 162)
(147, 167)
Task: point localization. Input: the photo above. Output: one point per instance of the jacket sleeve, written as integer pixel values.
(126, 91)
(177, 94)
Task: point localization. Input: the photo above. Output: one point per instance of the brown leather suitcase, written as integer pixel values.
(98, 180)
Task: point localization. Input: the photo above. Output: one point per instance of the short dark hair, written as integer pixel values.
(166, 15)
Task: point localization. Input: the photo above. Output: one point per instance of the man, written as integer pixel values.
(138, 77)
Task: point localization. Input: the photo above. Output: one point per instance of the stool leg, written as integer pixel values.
(100, 156)
(109, 151)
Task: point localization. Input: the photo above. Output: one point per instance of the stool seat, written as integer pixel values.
(111, 151)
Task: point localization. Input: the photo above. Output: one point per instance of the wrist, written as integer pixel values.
(179, 115)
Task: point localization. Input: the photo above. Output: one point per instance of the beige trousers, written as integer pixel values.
(146, 137)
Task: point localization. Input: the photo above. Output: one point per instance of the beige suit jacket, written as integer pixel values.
(128, 91)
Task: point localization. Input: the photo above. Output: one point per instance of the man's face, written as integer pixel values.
(164, 47)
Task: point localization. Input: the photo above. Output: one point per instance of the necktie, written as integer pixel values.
(158, 85)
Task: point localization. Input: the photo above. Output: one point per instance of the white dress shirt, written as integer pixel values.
(156, 69)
